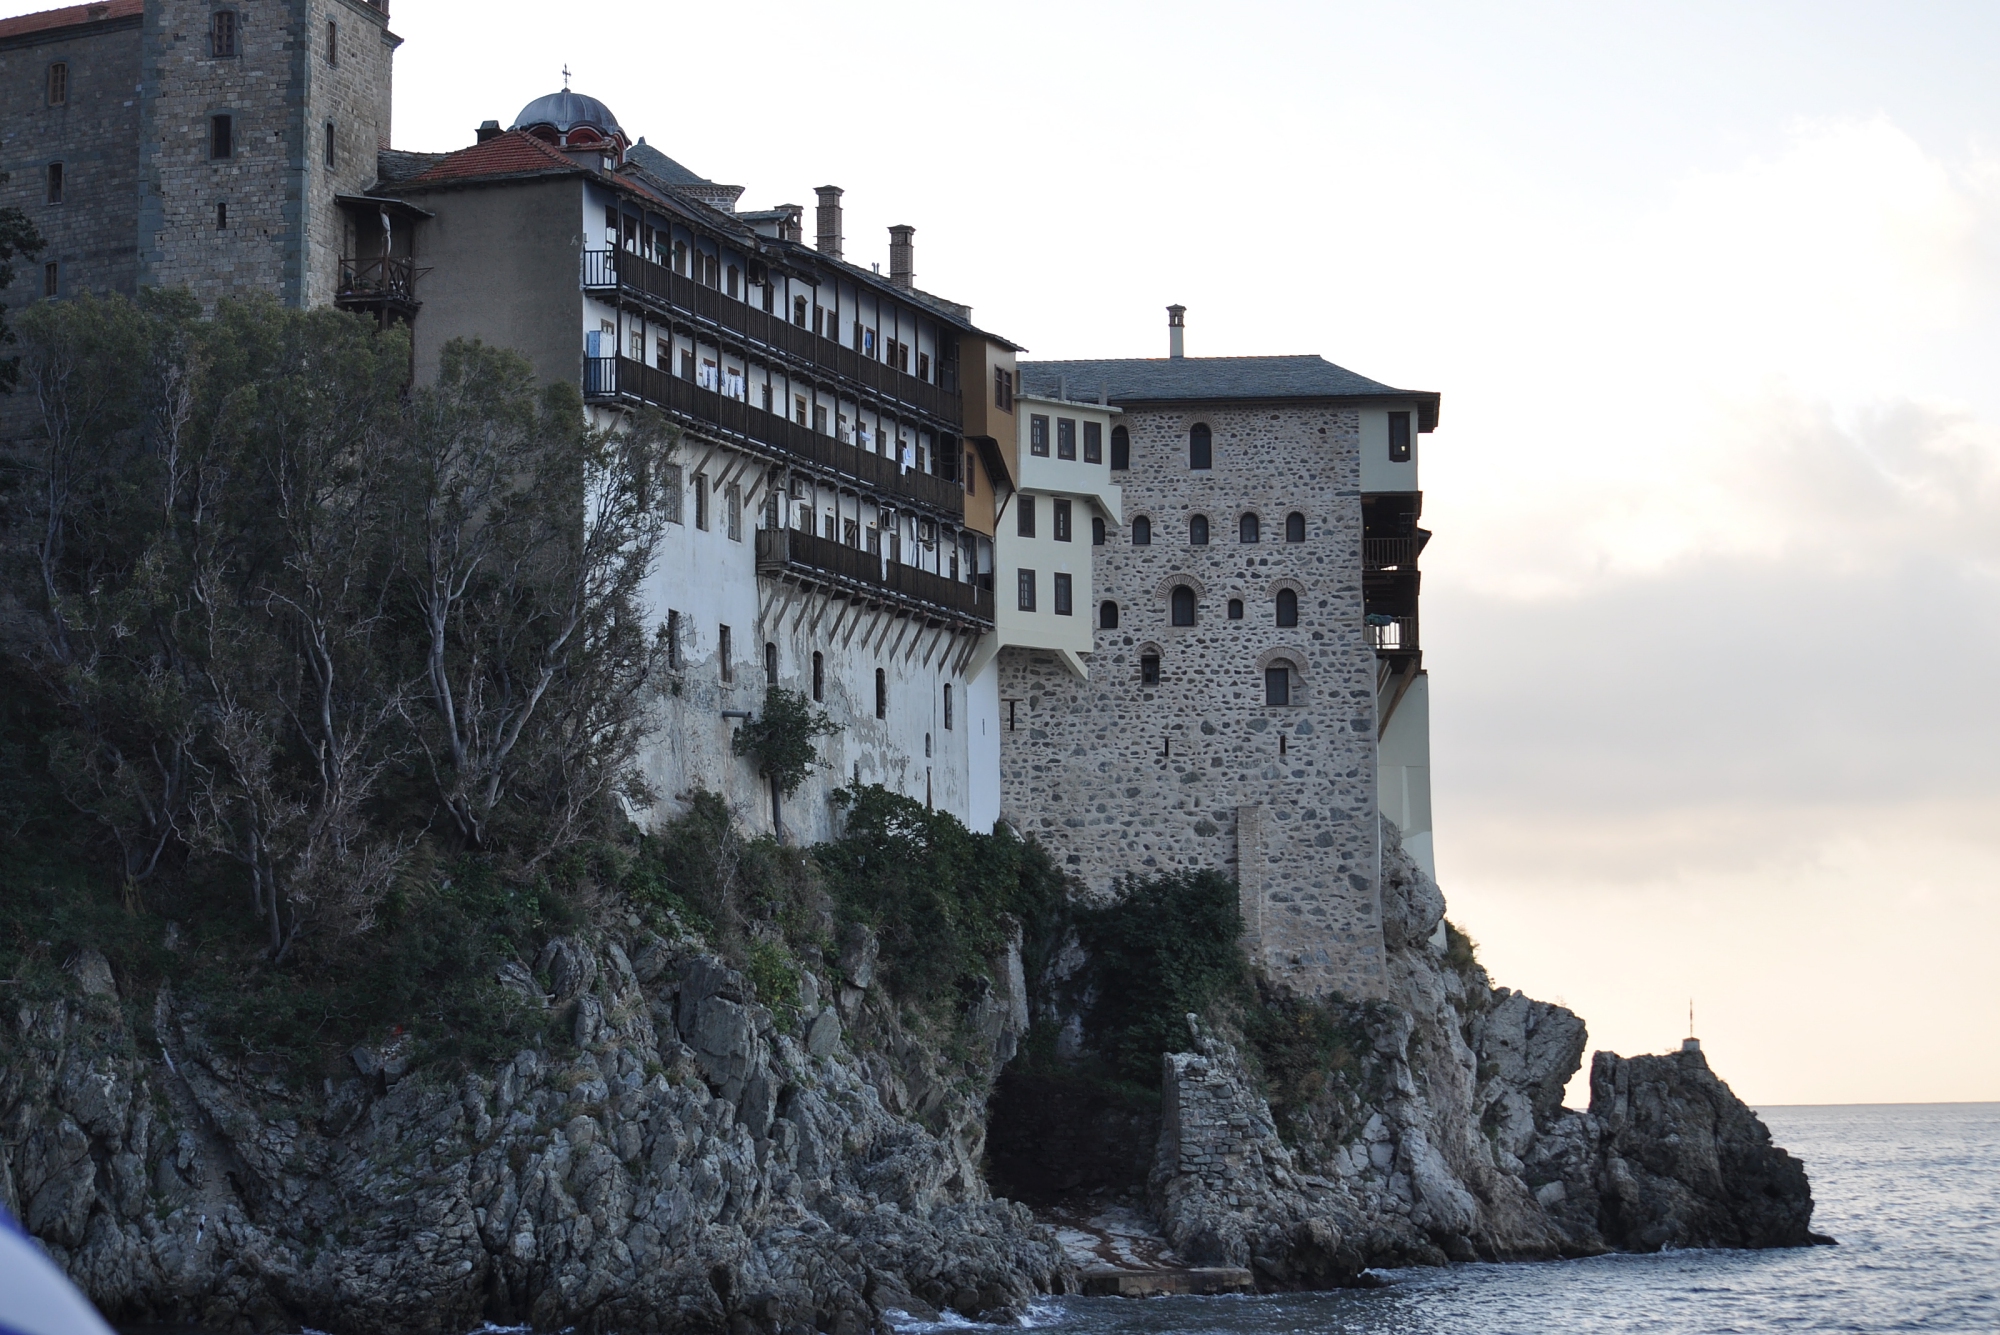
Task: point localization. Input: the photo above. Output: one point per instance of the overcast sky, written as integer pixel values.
(1712, 293)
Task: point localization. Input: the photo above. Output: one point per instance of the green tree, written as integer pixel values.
(18, 239)
(783, 741)
(526, 536)
(269, 586)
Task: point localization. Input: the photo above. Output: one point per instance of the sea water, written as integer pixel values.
(1911, 1191)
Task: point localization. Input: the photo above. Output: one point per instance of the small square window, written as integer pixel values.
(59, 83)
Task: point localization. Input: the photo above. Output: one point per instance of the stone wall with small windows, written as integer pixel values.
(1199, 770)
(283, 232)
(89, 125)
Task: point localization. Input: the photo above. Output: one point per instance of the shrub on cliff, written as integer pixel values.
(1164, 947)
(942, 899)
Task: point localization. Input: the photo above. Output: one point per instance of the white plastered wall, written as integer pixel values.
(1403, 771)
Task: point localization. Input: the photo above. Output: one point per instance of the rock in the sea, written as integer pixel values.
(1685, 1163)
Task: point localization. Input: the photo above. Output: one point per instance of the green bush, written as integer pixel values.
(1164, 948)
(942, 899)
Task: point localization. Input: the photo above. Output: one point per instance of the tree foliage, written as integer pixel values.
(942, 899)
(290, 617)
(1162, 948)
(782, 739)
(18, 240)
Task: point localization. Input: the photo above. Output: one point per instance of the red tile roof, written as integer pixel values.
(516, 153)
(71, 16)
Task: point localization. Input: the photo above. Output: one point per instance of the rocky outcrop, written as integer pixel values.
(1446, 1139)
(1681, 1162)
(678, 1158)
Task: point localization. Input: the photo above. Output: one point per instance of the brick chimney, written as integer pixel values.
(902, 256)
(1176, 331)
(829, 219)
(488, 130)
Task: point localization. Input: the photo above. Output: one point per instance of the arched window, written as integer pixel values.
(881, 693)
(1107, 615)
(1198, 531)
(1278, 683)
(1121, 447)
(1183, 603)
(770, 664)
(1201, 448)
(1235, 609)
(798, 303)
(819, 676)
(1149, 669)
(1288, 607)
(1097, 530)
(1142, 532)
(1247, 529)
(947, 706)
(1295, 527)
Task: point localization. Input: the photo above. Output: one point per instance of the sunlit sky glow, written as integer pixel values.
(1712, 293)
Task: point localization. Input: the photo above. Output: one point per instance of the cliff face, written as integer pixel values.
(1447, 1139)
(682, 1158)
(684, 1163)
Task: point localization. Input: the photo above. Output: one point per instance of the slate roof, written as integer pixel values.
(662, 166)
(1215, 379)
(70, 16)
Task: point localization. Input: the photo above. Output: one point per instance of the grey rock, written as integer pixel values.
(569, 965)
(93, 974)
(518, 979)
(823, 1034)
(859, 949)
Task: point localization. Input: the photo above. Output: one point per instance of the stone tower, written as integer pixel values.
(256, 116)
(1229, 715)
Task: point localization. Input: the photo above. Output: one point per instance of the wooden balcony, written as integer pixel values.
(798, 555)
(1392, 634)
(383, 284)
(659, 288)
(732, 419)
(1391, 553)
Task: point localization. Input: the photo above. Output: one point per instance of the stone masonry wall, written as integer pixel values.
(1198, 771)
(352, 94)
(94, 135)
(285, 232)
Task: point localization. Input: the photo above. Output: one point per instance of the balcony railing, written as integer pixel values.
(796, 552)
(624, 378)
(1392, 635)
(660, 286)
(380, 277)
(1390, 553)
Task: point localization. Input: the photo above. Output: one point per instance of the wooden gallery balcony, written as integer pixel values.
(700, 307)
(853, 573)
(384, 286)
(614, 379)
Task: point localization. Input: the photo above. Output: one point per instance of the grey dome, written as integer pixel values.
(565, 110)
